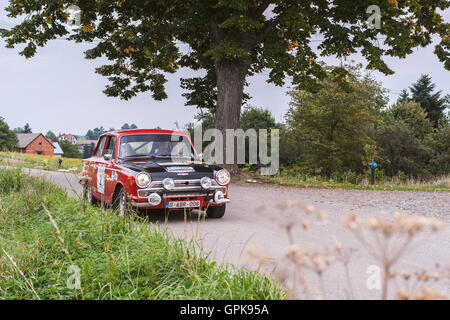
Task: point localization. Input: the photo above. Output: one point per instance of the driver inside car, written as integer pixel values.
(126, 150)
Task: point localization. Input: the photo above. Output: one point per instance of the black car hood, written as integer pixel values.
(176, 169)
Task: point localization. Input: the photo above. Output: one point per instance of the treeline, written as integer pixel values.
(342, 128)
(347, 123)
(97, 132)
(88, 149)
(8, 138)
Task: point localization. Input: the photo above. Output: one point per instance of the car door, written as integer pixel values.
(98, 176)
(110, 170)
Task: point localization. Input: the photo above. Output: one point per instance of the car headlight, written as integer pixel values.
(143, 179)
(223, 177)
(205, 182)
(168, 183)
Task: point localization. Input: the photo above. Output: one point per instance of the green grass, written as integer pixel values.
(118, 259)
(35, 161)
(439, 184)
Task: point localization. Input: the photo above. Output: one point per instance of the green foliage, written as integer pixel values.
(295, 177)
(414, 116)
(51, 135)
(440, 160)
(8, 138)
(95, 133)
(127, 126)
(11, 181)
(25, 129)
(422, 91)
(327, 132)
(117, 259)
(70, 150)
(88, 150)
(256, 118)
(404, 140)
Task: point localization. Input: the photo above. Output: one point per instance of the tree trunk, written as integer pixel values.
(230, 91)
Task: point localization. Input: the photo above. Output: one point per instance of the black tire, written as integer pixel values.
(88, 194)
(121, 203)
(216, 212)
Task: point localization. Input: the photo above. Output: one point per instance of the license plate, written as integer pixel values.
(183, 204)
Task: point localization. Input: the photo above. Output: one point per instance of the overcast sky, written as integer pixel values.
(58, 89)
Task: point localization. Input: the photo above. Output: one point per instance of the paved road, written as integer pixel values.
(254, 218)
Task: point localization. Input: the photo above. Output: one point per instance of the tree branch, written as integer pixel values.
(269, 27)
(260, 10)
(216, 34)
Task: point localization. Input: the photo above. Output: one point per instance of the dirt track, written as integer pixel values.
(253, 218)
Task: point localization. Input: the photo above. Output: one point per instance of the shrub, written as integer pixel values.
(11, 181)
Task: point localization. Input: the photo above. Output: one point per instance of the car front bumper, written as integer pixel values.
(184, 190)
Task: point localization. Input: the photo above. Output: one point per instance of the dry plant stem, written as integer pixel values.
(84, 202)
(101, 217)
(297, 268)
(304, 284)
(386, 278)
(322, 285)
(345, 261)
(30, 284)
(72, 187)
(185, 224)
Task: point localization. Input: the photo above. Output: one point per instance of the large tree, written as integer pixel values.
(230, 40)
(70, 150)
(422, 91)
(329, 131)
(404, 140)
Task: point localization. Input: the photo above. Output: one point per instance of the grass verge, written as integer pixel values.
(439, 184)
(48, 239)
(36, 161)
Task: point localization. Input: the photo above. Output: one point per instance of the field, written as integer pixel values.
(48, 242)
(36, 161)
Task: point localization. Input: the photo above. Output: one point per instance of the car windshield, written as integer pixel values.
(155, 145)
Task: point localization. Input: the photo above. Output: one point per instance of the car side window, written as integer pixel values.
(101, 145)
(111, 146)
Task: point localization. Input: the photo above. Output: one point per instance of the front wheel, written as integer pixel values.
(121, 203)
(88, 194)
(215, 212)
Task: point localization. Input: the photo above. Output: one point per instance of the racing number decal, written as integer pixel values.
(101, 180)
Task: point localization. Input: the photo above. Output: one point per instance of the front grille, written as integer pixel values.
(181, 189)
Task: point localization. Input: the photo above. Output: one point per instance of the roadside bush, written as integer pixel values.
(11, 181)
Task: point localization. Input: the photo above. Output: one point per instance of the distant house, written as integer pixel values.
(34, 143)
(80, 145)
(58, 151)
(68, 137)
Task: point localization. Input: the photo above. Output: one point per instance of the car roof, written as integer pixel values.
(142, 131)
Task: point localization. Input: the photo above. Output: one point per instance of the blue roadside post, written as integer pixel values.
(373, 165)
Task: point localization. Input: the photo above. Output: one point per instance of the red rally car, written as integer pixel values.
(153, 169)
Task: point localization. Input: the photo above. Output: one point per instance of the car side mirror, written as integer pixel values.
(107, 157)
